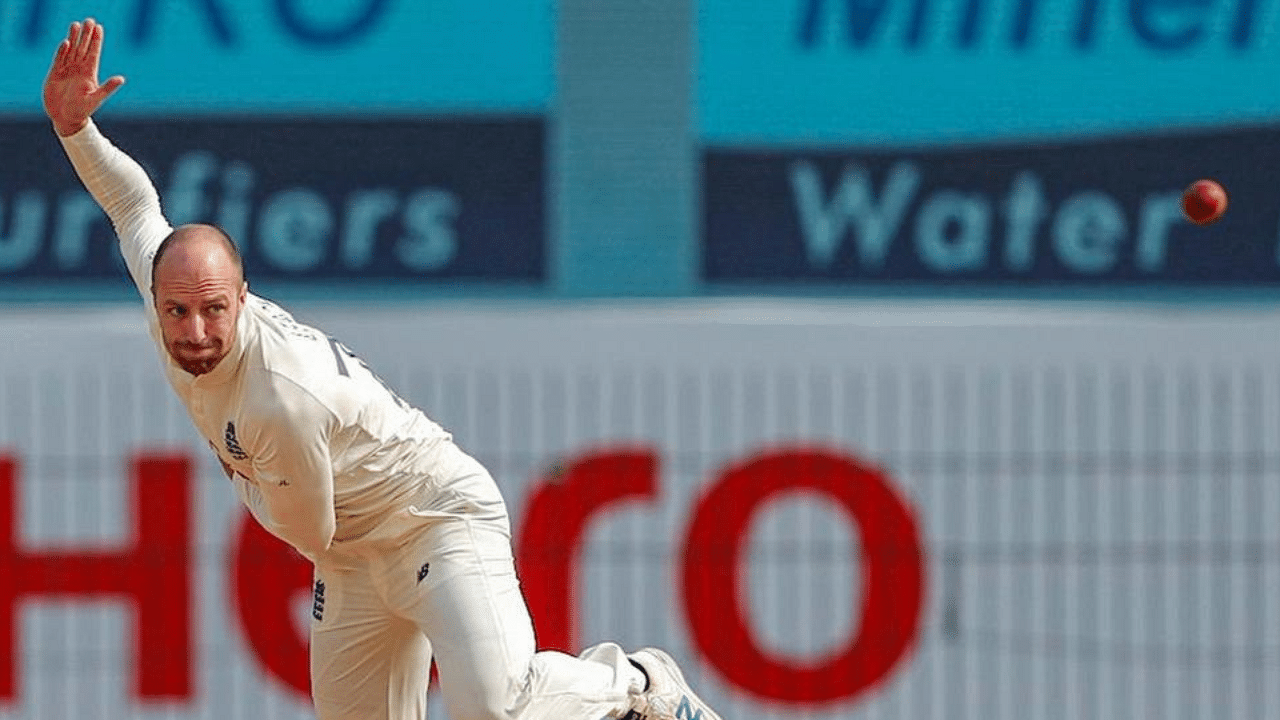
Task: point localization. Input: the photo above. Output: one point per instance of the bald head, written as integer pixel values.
(197, 248)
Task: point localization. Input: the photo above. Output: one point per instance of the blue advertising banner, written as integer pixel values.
(424, 203)
(1102, 212)
(811, 73)
(346, 57)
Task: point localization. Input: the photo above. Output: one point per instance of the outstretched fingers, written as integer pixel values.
(79, 54)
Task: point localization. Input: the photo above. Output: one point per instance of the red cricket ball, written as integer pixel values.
(1204, 201)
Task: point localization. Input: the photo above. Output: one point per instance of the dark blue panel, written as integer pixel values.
(1075, 213)
(432, 201)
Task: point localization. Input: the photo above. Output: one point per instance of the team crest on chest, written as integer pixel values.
(233, 445)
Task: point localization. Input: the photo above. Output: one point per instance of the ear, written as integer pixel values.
(244, 292)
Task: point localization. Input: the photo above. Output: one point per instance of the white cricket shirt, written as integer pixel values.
(324, 455)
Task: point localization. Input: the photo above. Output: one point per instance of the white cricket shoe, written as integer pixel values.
(669, 696)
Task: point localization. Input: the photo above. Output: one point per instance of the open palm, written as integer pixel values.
(71, 90)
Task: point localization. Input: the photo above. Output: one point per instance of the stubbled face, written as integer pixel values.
(198, 292)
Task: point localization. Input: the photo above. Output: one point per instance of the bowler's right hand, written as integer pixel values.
(71, 90)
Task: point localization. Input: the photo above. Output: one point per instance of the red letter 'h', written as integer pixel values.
(154, 572)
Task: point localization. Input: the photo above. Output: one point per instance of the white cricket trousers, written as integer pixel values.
(449, 590)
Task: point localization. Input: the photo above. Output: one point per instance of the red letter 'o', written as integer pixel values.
(892, 576)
